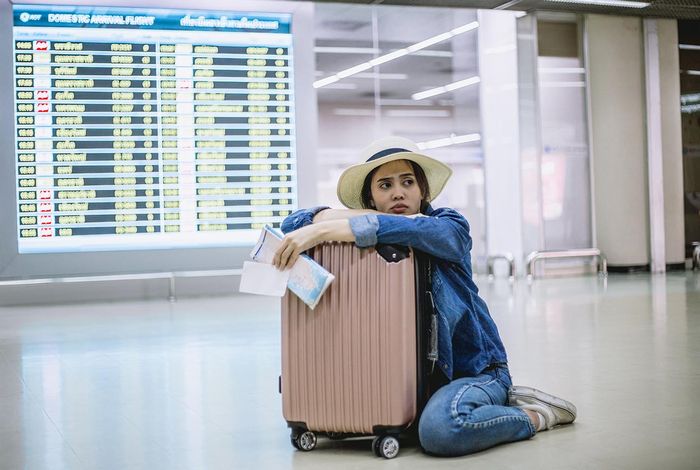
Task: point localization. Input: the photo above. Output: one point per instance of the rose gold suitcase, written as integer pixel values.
(353, 365)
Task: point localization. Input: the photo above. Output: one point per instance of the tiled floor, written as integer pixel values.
(193, 385)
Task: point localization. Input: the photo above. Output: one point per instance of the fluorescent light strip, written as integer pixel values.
(385, 58)
(692, 72)
(606, 3)
(689, 47)
(452, 140)
(396, 54)
(430, 41)
(326, 81)
(434, 53)
(444, 89)
(383, 76)
(690, 98)
(370, 50)
(354, 70)
(691, 108)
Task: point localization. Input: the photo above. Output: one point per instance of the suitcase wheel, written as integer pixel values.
(386, 446)
(305, 441)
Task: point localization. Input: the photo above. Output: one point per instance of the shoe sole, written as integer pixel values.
(544, 398)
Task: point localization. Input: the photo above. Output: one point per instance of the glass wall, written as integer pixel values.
(553, 135)
(425, 87)
(565, 165)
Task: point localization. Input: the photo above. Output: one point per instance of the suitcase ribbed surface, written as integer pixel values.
(350, 364)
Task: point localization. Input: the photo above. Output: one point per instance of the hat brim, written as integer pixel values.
(351, 180)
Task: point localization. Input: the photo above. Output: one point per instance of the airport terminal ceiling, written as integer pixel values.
(680, 9)
(342, 28)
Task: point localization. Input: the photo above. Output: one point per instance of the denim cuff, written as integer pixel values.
(313, 211)
(300, 218)
(364, 227)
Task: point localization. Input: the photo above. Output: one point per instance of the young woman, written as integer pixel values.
(388, 199)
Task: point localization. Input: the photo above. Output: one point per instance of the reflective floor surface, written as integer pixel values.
(193, 384)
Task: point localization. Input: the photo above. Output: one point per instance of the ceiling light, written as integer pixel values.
(354, 70)
(690, 98)
(430, 41)
(386, 58)
(383, 76)
(371, 50)
(396, 54)
(689, 47)
(434, 53)
(691, 108)
(326, 81)
(452, 140)
(606, 3)
(692, 72)
(444, 89)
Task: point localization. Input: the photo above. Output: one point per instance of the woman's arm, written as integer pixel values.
(341, 214)
(298, 241)
(444, 234)
(303, 217)
(300, 218)
(306, 228)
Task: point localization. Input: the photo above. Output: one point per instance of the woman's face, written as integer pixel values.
(395, 189)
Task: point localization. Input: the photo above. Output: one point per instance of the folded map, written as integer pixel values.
(307, 279)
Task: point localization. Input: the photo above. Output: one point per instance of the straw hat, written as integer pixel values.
(384, 151)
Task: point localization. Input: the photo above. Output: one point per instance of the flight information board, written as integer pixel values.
(151, 128)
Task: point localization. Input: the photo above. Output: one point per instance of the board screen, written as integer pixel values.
(151, 128)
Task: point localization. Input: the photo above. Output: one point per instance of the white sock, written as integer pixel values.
(542, 425)
(542, 422)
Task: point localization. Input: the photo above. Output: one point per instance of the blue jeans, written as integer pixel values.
(471, 414)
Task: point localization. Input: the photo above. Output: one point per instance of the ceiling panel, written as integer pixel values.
(680, 9)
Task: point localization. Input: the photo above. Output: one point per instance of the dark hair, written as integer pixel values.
(366, 194)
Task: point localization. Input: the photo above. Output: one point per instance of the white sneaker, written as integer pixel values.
(554, 410)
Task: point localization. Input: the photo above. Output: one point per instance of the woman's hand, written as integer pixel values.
(298, 241)
(295, 243)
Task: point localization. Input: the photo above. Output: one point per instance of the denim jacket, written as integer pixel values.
(468, 340)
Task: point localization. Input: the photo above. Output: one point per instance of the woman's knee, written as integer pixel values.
(441, 434)
(433, 431)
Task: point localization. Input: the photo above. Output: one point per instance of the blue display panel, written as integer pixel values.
(151, 128)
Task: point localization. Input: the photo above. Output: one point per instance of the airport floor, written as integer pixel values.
(193, 384)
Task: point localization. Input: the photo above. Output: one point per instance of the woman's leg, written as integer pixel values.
(470, 414)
